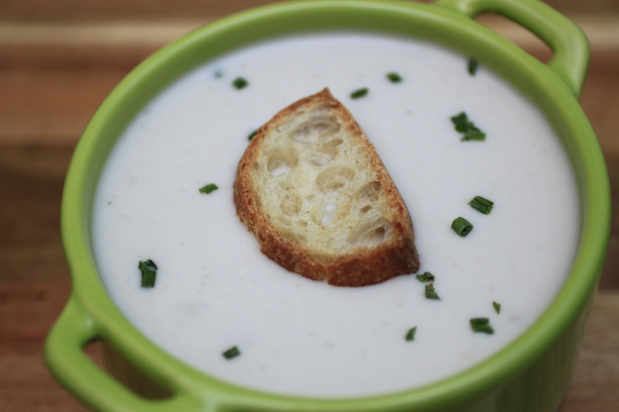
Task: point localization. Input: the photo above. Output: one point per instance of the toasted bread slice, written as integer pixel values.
(313, 190)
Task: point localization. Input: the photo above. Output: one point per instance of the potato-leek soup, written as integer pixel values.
(489, 187)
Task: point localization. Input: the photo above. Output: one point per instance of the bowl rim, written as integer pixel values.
(448, 29)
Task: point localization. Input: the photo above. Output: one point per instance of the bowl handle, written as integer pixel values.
(66, 359)
(568, 42)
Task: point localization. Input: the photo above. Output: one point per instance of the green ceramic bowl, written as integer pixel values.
(531, 374)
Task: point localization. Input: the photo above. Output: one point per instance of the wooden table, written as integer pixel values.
(59, 59)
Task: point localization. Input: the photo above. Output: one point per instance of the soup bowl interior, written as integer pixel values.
(499, 383)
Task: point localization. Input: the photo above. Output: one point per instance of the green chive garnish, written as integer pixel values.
(149, 273)
(251, 135)
(240, 83)
(497, 307)
(233, 352)
(394, 77)
(431, 293)
(474, 134)
(461, 226)
(481, 204)
(359, 93)
(461, 122)
(464, 125)
(426, 277)
(481, 325)
(473, 66)
(410, 335)
(208, 188)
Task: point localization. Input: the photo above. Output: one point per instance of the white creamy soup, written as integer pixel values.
(215, 290)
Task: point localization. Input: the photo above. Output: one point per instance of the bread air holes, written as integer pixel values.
(367, 196)
(291, 204)
(372, 230)
(334, 178)
(317, 128)
(325, 153)
(282, 162)
(377, 236)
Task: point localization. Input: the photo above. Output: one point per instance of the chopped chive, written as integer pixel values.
(473, 66)
(251, 135)
(481, 325)
(240, 83)
(394, 77)
(233, 352)
(471, 132)
(410, 335)
(426, 277)
(431, 293)
(208, 188)
(483, 205)
(461, 121)
(149, 273)
(359, 93)
(497, 307)
(461, 226)
(474, 134)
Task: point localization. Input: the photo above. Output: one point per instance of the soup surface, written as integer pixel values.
(216, 290)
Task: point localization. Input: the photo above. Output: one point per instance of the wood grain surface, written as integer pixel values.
(58, 61)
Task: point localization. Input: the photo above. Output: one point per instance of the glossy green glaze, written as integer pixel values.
(531, 374)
